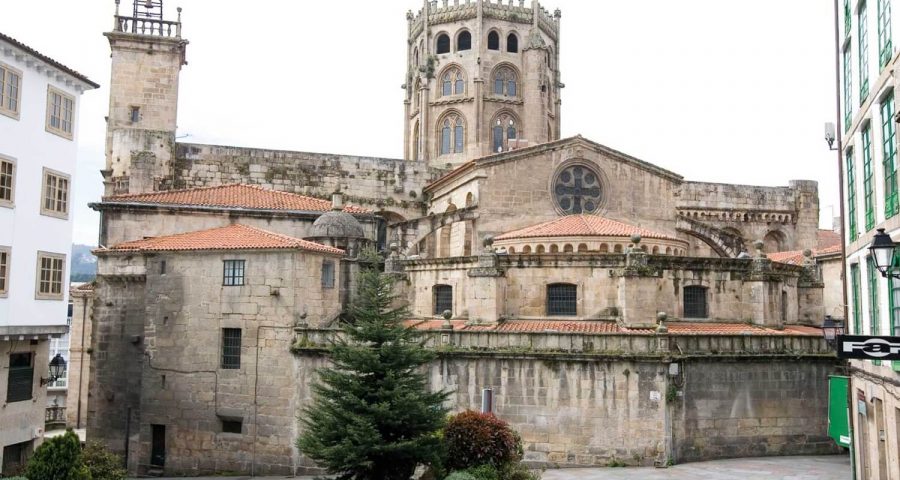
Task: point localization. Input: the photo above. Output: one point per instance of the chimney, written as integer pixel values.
(337, 201)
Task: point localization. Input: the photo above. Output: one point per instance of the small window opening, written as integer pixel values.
(443, 298)
(135, 114)
(562, 299)
(512, 43)
(695, 305)
(464, 41)
(493, 41)
(162, 267)
(443, 43)
(232, 426)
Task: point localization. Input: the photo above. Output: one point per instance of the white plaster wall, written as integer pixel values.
(22, 227)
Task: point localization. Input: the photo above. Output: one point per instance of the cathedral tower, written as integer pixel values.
(482, 77)
(147, 55)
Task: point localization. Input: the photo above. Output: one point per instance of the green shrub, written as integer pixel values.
(103, 464)
(484, 472)
(58, 458)
(460, 476)
(518, 471)
(474, 439)
(14, 478)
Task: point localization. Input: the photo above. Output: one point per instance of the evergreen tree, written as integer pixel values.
(373, 416)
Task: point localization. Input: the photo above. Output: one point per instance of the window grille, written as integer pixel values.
(234, 273)
(562, 299)
(231, 348)
(443, 298)
(695, 302)
(21, 377)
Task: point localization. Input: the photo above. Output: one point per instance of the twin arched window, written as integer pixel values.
(505, 129)
(453, 135)
(453, 83)
(505, 82)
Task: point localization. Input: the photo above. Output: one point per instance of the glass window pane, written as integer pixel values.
(445, 140)
(459, 139)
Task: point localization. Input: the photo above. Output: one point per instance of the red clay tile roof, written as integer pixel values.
(236, 195)
(582, 225)
(609, 327)
(795, 257)
(829, 250)
(827, 238)
(232, 237)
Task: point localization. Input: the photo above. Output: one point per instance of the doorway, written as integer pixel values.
(158, 445)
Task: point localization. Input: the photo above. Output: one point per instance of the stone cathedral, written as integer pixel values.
(619, 312)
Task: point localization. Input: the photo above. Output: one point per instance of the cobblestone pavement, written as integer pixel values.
(832, 467)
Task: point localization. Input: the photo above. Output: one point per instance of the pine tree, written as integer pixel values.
(373, 416)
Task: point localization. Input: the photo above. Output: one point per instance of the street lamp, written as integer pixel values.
(57, 369)
(830, 135)
(831, 328)
(882, 250)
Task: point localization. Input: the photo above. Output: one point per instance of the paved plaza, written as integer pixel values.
(832, 467)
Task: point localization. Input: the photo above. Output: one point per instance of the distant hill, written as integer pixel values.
(84, 264)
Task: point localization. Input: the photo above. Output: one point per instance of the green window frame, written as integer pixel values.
(889, 151)
(868, 178)
(862, 32)
(848, 89)
(851, 195)
(885, 48)
(894, 305)
(847, 20)
(872, 280)
(855, 286)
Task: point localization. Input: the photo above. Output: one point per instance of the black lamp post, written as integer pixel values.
(57, 369)
(882, 250)
(831, 328)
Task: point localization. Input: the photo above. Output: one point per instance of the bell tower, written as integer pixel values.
(482, 78)
(147, 55)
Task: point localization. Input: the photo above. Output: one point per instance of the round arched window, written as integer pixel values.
(577, 189)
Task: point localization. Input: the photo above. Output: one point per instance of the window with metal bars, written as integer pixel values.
(889, 156)
(231, 348)
(562, 299)
(443, 298)
(21, 377)
(695, 302)
(234, 273)
(327, 274)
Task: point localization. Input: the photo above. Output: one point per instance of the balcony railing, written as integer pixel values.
(147, 26)
(54, 416)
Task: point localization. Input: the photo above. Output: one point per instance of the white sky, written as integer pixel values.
(720, 91)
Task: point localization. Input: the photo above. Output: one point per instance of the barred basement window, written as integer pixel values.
(695, 302)
(231, 348)
(443, 298)
(327, 274)
(234, 273)
(562, 299)
(21, 377)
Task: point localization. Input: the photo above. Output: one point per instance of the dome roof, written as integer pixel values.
(336, 224)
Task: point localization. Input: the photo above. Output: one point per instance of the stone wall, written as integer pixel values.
(382, 184)
(80, 353)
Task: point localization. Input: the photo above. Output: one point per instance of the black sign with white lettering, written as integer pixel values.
(868, 347)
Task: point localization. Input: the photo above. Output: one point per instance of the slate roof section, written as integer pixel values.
(610, 327)
(233, 196)
(232, 237)
(12, 41)
(582, 225)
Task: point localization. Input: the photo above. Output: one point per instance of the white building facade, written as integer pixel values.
(39, 103)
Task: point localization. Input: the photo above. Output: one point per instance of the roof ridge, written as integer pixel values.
(179, 190)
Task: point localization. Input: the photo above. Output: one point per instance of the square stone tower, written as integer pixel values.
(147, 55)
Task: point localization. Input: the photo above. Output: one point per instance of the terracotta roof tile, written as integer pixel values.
(582, 225)
(610, 327)
(795, 257)
(232, 237)
(827, 238)
(829, 250)
(236, 195)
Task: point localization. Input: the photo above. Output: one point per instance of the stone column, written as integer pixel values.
(487, 292)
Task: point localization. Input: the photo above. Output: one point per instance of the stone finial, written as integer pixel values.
(395, 249)
(635, 239)
(661, 325)
(447, 325)
(488, 242)
(557, 13)
(337, 200)
(758, 245)
(409, 15)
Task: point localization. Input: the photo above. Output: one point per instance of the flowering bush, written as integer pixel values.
(473, 439)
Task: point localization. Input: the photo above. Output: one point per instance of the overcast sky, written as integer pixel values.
(720, 91)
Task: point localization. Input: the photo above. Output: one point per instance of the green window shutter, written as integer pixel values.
(855, 286)
(872, 277)
(851, 195)
(888, 131)
(848, 88)
(885, 49)
(868, 180)
(863, 43)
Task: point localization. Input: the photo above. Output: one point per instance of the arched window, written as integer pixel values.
(562, 299)
(505, 82)
(453, 134)
(695, 302)
(464, 41)
(505, 129)
(526, 249)
(453, 82)
(554, 248)
(493, 41)
(604, 248)
(416, 56)
(541, 249)
(443, 298)
(582, 247)
(443, 43)
(567, 248)
(512, 43)
(415, 145)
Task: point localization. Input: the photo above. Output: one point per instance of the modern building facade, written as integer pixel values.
(869, 149)
(39, 103)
